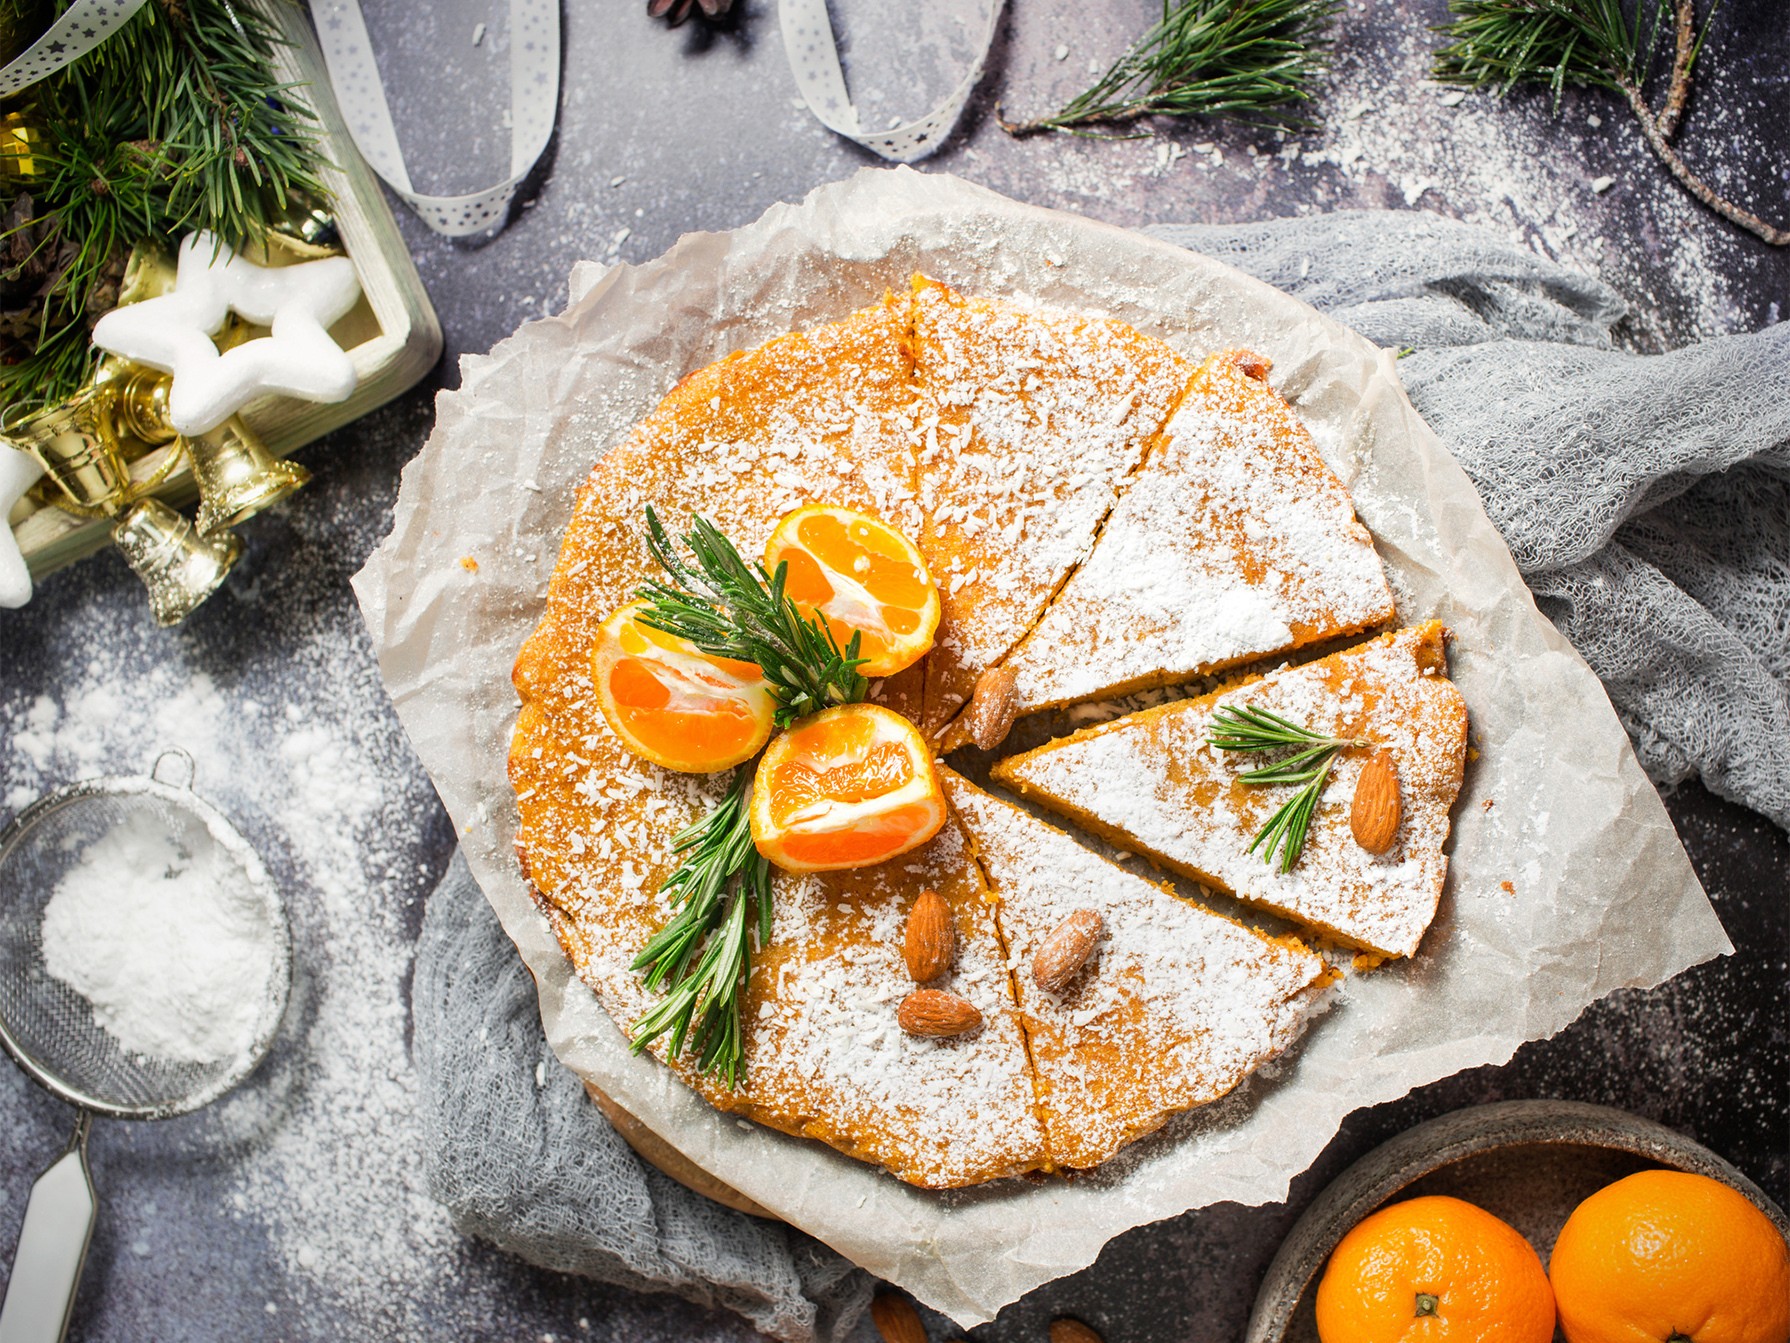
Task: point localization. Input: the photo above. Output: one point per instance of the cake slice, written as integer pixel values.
(1175, 1008)
(1150, 782)
(1030, 423)
(1233, 542)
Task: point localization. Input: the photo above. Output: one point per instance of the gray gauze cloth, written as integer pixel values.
(520, 1157)
(1647, 502)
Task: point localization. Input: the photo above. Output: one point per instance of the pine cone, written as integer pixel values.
(676, 11)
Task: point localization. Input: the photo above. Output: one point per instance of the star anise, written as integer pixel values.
(675, 12)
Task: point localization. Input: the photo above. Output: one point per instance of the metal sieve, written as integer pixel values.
(51, 1030)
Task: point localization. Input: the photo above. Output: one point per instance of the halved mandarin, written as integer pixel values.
(674, 704)
(845, 787)
(864, 577)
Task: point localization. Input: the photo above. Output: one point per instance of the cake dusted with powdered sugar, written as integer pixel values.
(1098, 514)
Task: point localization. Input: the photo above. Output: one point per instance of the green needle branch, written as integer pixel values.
(1253, 729)
(729, 608)
(1497, 44)
(1248, 60)
(720, 892)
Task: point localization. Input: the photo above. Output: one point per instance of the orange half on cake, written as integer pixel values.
(845, 787)
(1151, 782)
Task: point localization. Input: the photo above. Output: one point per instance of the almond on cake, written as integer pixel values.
(1151, 782)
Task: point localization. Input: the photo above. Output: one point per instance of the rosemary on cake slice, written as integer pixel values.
(732, 608)
(1255, 729)
(721, 888)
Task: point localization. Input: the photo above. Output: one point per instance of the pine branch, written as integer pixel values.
(172, 125)
(1248, 60)
(1498, 44)
(734, 609)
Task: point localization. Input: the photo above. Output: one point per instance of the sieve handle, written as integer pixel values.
(52, 1247)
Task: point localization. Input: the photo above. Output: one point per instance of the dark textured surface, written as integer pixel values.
(700, 128)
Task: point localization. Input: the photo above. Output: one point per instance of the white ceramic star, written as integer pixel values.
(18, 472)
(173, 333)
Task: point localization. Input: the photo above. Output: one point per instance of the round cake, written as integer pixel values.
(1100, 514)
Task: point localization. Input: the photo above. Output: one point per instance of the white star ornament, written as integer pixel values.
(173, 332)
(18, 472)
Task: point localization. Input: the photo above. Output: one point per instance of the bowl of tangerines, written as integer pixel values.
(1529, 1221)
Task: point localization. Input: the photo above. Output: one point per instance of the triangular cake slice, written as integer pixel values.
(1234, 541)
(824, 1055)
(1176, 1007)
(1149, 782)
(1030, 423)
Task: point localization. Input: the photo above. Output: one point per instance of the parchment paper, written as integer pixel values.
(1567, 879)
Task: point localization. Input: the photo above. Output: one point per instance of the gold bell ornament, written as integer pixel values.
(236, 474)
(197, 333)
(75, 445)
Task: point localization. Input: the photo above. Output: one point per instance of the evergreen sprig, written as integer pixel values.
(1248, 60)
(720, 891)
(1254, 729)
(173, 125)
(1498, 44)
(731, 608)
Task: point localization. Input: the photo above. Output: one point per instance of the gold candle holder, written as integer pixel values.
(179, 567)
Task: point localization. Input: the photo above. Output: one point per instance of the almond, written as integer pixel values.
(935, 1012)
(1066, 950)
(896, 1319)
(1374, 816)
(993, 707)
(1069, 1330)
(931, 937)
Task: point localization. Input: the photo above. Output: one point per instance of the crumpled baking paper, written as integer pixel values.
(1567, 879)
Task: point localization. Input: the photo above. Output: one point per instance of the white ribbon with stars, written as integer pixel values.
(78, 30)
(813, 54)
(534, 102)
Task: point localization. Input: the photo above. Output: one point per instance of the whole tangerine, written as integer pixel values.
(1434, 1270)
(1667, 1256)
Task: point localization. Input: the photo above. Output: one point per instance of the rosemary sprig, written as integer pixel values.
(1248, 60)
(730, 608)
(722, 888)
(1498, 44)
(1253, 729)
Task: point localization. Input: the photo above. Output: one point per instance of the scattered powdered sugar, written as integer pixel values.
(157, 930)
(319, 1154)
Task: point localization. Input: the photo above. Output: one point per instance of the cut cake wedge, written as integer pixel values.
(1233, 542)
(1030, 423)
(1150, 783)
(1176, 1007)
